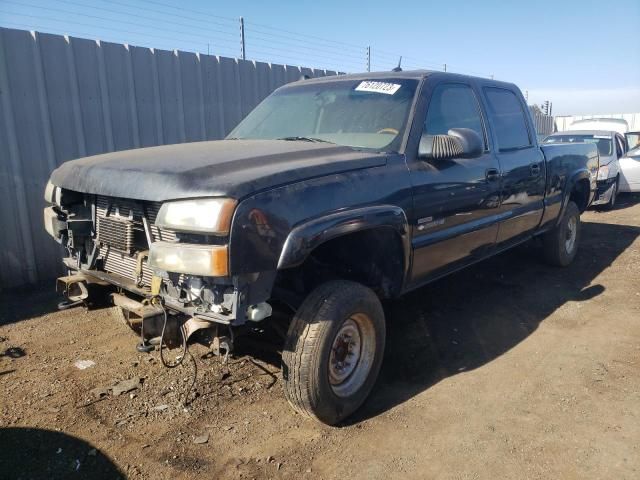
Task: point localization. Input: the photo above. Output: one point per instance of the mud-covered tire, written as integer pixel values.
(339, 321)
(561, 243)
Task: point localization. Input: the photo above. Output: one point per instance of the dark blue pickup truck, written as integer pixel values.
(334, 193)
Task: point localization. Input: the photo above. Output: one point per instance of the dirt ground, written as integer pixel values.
(510, 369)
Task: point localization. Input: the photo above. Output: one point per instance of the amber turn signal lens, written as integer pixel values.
(192, 259)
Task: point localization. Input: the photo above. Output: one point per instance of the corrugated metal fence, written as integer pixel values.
(543, 123)
(63, 98)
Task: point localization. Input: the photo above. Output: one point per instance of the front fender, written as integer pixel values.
(307, 236)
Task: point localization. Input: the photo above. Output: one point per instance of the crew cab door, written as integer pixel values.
(455, 201)
(522, 167)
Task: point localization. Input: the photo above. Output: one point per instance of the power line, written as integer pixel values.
(232, 28)
(152, 2)
(89, 36)
(288, 58)
(172, 21)
(251, 34)
(293, 45)
(96, 17)
(161, 37)
(298, 40)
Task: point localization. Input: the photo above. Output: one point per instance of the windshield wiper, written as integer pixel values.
(304, 139)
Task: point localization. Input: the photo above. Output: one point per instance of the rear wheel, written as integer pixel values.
(333, 351)
(561, 243)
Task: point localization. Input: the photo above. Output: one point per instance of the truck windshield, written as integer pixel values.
(605, 147)
(369, 114)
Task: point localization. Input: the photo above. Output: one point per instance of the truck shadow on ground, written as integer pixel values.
(28, 302)
(42, 454)
(472, 317)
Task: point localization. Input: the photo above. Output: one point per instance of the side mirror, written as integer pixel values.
(459, 143)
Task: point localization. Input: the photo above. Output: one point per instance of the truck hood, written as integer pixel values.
(233, 168)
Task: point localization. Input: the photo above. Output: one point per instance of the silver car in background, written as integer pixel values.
(612, 146)
(630, 164)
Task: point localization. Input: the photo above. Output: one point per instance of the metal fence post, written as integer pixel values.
(243, 51)
(369, 58)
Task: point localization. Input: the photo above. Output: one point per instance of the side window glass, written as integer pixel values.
(508, 118)
(453, 106)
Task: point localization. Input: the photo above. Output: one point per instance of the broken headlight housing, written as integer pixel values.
(603, 172)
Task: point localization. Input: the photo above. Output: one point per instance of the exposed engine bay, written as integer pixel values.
(108, 243)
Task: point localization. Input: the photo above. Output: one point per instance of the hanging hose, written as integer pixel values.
(185, 350)
(158, 301)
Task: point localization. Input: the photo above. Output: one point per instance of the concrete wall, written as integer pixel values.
(62, 98)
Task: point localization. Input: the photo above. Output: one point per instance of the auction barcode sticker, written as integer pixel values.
(378, 87)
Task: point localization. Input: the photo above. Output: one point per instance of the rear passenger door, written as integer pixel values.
(522, 174)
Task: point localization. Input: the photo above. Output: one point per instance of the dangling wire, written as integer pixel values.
(158, 301)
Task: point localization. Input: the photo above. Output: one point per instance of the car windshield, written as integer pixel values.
(633, 139)
(368, 114)
(602, 141)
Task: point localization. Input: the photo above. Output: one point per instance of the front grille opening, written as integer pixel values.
(120, 233)
(121, 237)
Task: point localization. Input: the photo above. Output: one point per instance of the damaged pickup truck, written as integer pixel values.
(332, 195)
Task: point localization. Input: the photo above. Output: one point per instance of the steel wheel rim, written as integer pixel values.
(352, 354)
(572, 232)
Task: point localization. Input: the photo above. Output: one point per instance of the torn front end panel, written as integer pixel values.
(109, 240)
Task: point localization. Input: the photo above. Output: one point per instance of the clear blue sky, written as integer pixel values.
(582, 55)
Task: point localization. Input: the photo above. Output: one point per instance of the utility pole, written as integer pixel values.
(369, 58)
(243, 51)
(445, 67)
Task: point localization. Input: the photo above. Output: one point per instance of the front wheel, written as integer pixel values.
(333, 351)
(561, 243)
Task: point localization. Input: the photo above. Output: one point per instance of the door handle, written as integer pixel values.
(492, 174)
(535, 169)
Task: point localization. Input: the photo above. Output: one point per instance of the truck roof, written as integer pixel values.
(408, 74)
